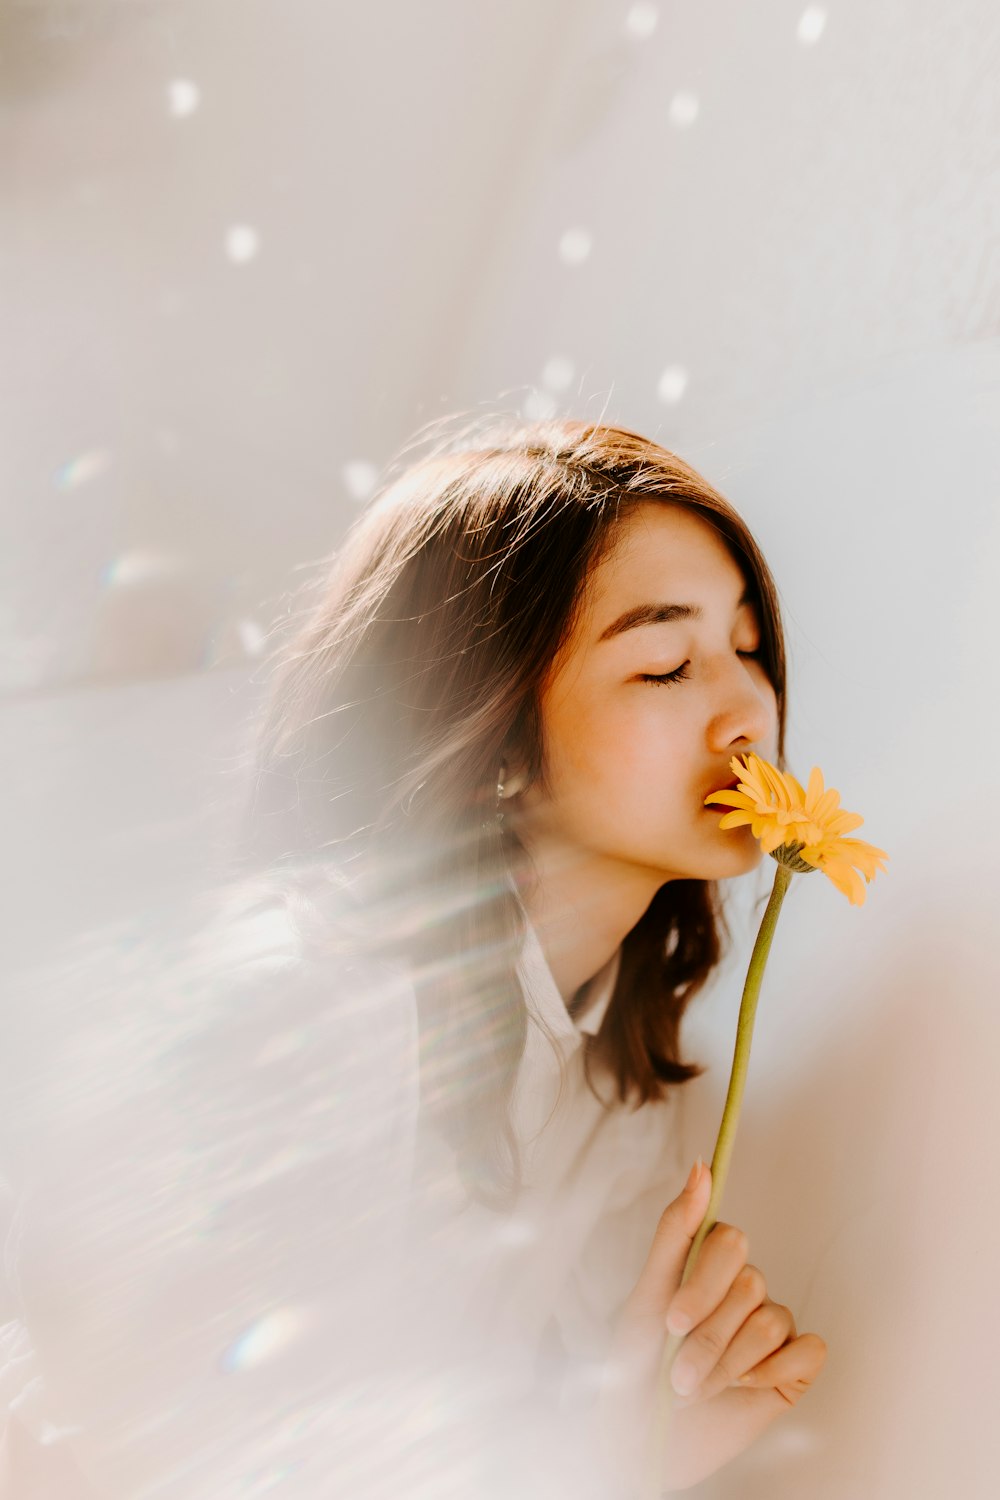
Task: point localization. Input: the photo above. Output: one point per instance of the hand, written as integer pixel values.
(746, 1362)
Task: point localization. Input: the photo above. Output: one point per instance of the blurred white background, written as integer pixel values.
(249, 247)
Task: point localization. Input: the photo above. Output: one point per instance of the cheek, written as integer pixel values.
(622, 743)
(580, 742)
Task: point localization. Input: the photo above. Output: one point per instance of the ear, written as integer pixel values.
(514, 782)
(514, 778)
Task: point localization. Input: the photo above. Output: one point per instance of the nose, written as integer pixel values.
(746, 712)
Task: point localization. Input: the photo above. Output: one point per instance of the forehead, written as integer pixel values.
(661, 553)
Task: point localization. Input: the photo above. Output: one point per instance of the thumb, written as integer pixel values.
(679, 1223)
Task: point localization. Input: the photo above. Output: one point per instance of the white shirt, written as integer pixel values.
(557, 1270)
(266, 1178)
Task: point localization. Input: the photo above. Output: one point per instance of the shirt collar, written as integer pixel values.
(543, 997)
(598, 995)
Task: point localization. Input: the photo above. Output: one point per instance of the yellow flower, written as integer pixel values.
(800, 828)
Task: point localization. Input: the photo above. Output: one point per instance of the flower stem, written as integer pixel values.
(720, 1165)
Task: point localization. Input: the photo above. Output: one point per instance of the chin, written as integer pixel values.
(738, 861)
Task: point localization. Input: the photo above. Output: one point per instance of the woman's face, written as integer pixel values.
(629, 760)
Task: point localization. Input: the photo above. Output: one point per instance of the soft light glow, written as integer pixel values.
(84, 467)
(558, 373)
(812, 24)
(516, 1233)
(131, 569)
(183, 97)
(575, 247)
(266, 1336)
(642, 20)
(360, 477)
(795, 1440)
(252, 636)
(683, 110)
(538, 406)
(242, 243)
(672, 384)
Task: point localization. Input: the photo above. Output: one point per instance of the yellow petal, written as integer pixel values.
(808, 833)
(796, 791)
(825, 808)
(859, 845)
(857, 852)
(779, 811)
(752, 783)
(814, 791)
(843, 822)
(778, 785)
(730, 799)
(846, 880)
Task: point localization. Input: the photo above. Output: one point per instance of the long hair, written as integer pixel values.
(417, 667)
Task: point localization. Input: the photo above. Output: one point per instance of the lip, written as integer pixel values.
(730, 786)
(718, 808)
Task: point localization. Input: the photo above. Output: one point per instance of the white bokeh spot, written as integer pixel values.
(812, 24)
(142, 566)
(683, 109)
(517, 1232)
(642, 20)
(575, 247)
(266, 1337)
(538, 406)
(83, 468)
(183, 97)
(242, 243)
(360, 477)
(558, 373)
(672, 384)
(252, 636)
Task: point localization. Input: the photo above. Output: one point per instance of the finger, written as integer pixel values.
(789, 1371)
(720, 1260)
(766, 1329)
(679, 1223)
(709, 1348)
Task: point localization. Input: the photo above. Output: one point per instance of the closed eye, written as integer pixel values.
(665, 678)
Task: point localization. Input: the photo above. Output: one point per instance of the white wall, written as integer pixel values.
(802, 234)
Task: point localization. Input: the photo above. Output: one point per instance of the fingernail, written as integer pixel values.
(680, 1322)
(695, 1177)
(684, 1378)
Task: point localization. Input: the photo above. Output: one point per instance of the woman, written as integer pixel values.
(371, 1183)
(533, 658)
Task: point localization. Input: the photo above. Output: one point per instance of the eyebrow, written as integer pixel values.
(660, 614)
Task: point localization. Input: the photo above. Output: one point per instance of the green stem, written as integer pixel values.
(720, 1165)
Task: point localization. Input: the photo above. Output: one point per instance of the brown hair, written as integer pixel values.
(417, 668)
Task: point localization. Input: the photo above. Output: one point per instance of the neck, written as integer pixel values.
(582, 906)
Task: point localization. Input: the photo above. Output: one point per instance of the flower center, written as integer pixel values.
(788, 855)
